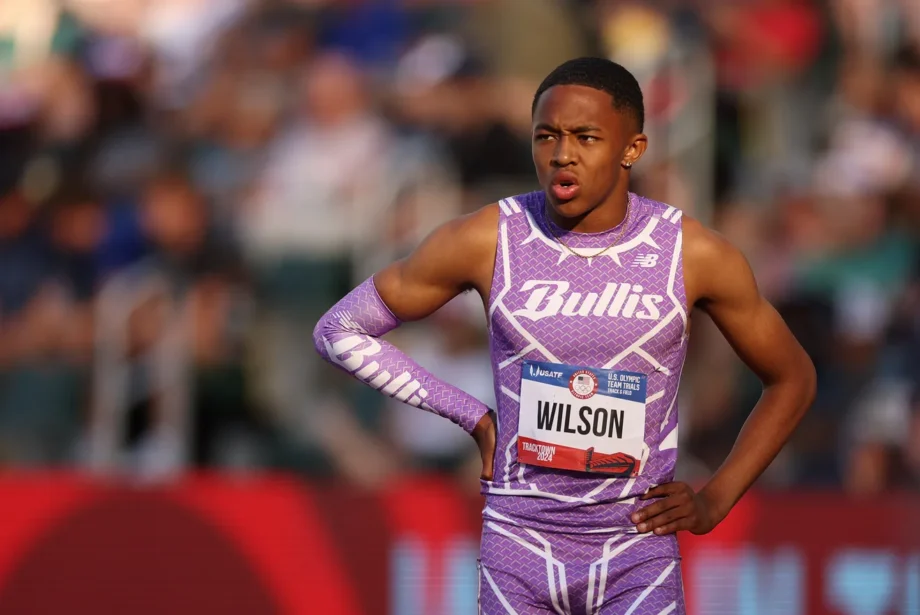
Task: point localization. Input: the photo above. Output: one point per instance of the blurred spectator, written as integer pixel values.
(443, 89)
(182, 34)
(326, 185)
(78, 227)
(166, 331)
(39, 391)
(875, 28)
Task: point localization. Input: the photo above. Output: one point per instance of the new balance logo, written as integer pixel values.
(550, 298)
(645, 260)
(355, 353)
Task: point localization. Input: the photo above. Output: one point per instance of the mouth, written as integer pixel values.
(565, 186)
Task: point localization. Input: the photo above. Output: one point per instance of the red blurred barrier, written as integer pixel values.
(274, 545)
(808, 554)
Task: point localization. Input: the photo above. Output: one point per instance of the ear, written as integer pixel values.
(634, 151)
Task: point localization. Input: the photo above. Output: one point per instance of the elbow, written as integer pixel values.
(808, 383)
(320, 333)
(797, 384)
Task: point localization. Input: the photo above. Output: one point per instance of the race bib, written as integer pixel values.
(580, 418)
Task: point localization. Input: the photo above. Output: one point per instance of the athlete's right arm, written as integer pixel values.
(456, 257)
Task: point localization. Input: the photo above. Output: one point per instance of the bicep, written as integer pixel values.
(452, 259)
(416, 286)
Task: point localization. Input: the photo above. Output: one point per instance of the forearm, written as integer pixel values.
(348, 336)
(766, 431)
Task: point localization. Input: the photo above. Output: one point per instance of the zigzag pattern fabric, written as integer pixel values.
(348, 336)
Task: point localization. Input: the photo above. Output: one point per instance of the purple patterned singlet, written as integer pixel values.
(560, 541)
(623, 310)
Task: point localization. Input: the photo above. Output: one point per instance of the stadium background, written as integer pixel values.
(186, 185)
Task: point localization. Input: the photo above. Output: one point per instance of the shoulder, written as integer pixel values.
(476, 230)
(482, 220)
(461, 251)
(702, 245)
(709, 261)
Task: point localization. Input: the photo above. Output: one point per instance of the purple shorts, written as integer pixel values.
(524, 572)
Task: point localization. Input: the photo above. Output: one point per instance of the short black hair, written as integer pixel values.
(600, 74)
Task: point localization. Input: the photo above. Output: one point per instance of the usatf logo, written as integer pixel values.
(583, 384)
(645, 260)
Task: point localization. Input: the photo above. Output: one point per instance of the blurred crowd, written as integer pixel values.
(187, 185)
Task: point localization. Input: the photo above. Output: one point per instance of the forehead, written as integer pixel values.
(564, 105)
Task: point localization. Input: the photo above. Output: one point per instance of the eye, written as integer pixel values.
(587, 139)
(543, 137)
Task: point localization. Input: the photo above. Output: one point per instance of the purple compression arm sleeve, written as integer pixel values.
(348, 335)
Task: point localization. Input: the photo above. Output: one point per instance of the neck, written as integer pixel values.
(609, 214)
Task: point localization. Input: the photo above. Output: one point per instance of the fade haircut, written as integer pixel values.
(603, 75)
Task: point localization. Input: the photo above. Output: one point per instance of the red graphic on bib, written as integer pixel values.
(583, 384)
(616, 464)
(547, 454)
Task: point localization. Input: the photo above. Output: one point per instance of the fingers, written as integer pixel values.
(664, 490)
(671, 528)
(488, 464)
(656, 509)
(673, 512)
(487, 469)
(486, 439)
(681, 518)
(668, 491)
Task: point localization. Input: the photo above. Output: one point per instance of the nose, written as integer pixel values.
(563, 153)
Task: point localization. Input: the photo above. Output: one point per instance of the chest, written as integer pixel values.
(586, 305)
(587, 313)
(578, 324)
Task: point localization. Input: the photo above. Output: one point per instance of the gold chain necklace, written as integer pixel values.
(623, 226)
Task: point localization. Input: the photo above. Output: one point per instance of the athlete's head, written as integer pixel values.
(588, 117)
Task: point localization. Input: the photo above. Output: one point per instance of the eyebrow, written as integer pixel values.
(576, 130)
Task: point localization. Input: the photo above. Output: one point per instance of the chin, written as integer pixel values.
(569, 209)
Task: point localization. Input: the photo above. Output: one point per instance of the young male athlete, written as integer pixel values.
(588, 290)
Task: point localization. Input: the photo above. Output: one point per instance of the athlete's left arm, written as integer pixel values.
(719, 280)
